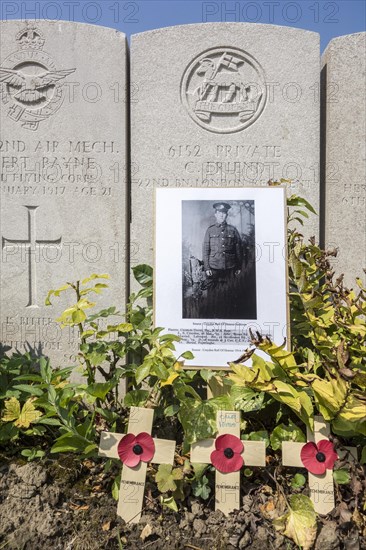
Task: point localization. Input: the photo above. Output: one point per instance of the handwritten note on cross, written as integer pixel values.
(227, 485)
(321, 486)
(133, 479)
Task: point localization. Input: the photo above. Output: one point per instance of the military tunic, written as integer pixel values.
(222, 248)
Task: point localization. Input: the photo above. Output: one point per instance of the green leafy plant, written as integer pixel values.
(200, 482)
(32, 454)
(326, 372)
(278, 391)
(286, 433)
(39, 404)
(341, 477)
(298, 481)
(167, 478)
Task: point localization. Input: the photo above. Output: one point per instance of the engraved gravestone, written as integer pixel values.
(344, 107)
(62, 147)
(222, 104)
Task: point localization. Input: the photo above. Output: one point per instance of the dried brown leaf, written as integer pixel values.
(359, 520)
(146, 532)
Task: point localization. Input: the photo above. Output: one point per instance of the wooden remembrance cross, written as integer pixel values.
(321, 486)
(227, 485)
(133, 479)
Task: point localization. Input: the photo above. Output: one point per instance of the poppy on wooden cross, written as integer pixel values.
(135, 450)
(228, 454)
(318, 457)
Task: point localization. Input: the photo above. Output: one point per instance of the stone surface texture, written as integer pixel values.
(63, 121)
(222, 104)
(344, 105)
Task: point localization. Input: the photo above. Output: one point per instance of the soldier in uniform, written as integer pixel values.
(222, 258)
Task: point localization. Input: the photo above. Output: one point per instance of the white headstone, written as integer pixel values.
(222, 104)
(344, 135)
(62, 146)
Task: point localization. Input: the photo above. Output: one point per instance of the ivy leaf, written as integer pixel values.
(246, 399)
(341, 477)
(260, 435)
(171, 410)
(166, 477)
(298, 481)
(136, 398)
(199, 422)
(286, 433)
(96, 358)
(22, 418)
(299, 523)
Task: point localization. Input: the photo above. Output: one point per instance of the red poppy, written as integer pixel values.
(227, 456)
(318, 457)
(134, 448)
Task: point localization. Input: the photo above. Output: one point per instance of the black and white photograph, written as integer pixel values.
(220, 269)
(218, 259)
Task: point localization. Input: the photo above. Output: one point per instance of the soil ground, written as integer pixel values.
(62, 504)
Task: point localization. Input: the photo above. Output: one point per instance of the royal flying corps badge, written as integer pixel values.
(32, 85)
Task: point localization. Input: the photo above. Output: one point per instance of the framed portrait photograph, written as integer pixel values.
(220, 269)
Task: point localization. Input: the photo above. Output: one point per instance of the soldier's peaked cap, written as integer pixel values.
(222, 206)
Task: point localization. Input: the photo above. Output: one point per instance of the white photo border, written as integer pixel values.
(207, 338)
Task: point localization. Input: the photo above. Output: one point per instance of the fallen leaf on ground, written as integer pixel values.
(79, 506)
(273, 508)
(359, 520)
(268, 509)
(106, 526)
(345, 515)
(299, 523)
(146, 532)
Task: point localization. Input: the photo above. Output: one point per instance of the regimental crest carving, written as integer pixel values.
(31, 84)
(224, 90)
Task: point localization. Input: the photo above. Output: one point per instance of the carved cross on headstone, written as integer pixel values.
(29, 248)
(227, 485)
(114, 445)
(321, 485)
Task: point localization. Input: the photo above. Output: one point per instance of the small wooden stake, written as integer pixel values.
(321, 486)
(227, 485)
(132, 488)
